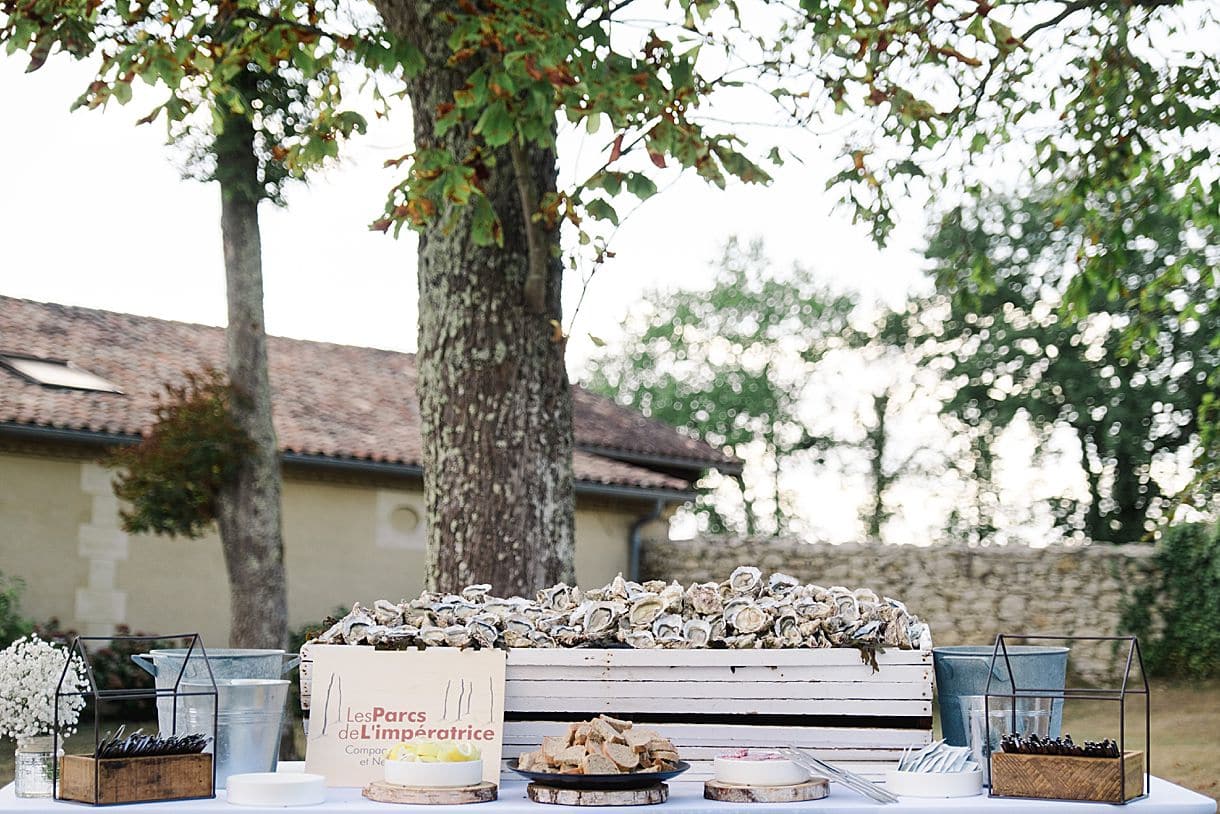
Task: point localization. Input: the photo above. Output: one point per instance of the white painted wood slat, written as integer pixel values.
(661, 691)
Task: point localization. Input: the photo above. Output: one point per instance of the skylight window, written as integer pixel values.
(57, 373)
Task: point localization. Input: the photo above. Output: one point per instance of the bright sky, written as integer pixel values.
(95, 214)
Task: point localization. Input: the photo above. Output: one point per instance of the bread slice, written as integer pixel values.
(526, 760)
(595, 763)
(572, 756)
(637, 739)
(552, 745)
(604, 731)
(617, 723)
(623, 756)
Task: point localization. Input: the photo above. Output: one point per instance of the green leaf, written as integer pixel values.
(495, 125)
(640, 185)
(601, 210)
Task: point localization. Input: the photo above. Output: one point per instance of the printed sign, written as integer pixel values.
(364, 701)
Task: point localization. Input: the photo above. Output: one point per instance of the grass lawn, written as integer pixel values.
(1185, 733)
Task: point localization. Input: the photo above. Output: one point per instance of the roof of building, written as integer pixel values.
(330, 401)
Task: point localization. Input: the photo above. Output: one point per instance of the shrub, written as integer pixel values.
(1186, 596)
(173, 477)
(12, 624)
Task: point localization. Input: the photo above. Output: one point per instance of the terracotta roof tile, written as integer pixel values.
(332, 400)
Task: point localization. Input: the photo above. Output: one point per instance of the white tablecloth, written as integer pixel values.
(684, 798)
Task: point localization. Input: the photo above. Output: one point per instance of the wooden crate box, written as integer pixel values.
(711, 701)
(1067, 777)
(135, 779)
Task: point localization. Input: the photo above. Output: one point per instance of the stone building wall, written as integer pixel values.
(966, 595)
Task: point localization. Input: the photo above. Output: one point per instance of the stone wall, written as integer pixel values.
(966, 595)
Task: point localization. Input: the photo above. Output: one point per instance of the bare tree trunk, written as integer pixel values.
(875, 443)
(249, 506)
(495, 402)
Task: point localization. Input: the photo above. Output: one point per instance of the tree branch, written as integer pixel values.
(534, 290)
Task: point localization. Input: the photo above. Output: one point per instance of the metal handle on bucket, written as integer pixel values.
(145, 661)
(291, 660)
(993, 664)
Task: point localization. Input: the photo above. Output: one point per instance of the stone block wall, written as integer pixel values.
(966, 595)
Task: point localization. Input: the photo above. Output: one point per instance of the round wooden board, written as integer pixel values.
(598, 797)
(813, 789)
(384, 792)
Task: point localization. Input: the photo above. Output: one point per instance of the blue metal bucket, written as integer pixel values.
(963, 669)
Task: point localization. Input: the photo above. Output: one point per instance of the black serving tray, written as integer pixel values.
(602, 782)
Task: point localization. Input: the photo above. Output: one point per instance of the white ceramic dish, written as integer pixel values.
(745, 771)
(434, 775)
(935, 784)
(276, 789)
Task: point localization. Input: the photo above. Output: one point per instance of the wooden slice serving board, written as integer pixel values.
(813, 789)
(650, 795)
(384, 792)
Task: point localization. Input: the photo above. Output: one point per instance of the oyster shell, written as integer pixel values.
(432, 635)
(697, 632)
(786, 627)
(386, 613)
(557, 598)
(782, 584)
(640, 639)
(356, 624)
(744, 616)
(482, 633)
(600, 618)
(672, 596)
(476, 593)
(667, 625)
(743, 642)
(514, 638)
(457, 636)
(704, 599)
(519, 623)
(540, 639)
(644, 609)
(333, 634)
(745, 579)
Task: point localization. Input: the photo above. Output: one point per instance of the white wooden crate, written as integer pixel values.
(708, 701)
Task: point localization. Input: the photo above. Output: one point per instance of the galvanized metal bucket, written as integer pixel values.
(962, 670)
(166, 664)
(248, 725)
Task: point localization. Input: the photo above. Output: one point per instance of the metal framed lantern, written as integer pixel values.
(1051, 772)
(147, 769)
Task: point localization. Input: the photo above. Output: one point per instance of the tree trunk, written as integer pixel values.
(495, 403)
(875, 442)
(249, 506)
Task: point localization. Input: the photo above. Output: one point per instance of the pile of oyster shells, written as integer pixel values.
(744, 611)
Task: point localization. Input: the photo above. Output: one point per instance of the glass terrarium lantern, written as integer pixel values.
(122, 770)
(1049, 768)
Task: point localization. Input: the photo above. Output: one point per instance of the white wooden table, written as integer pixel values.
(684, 798)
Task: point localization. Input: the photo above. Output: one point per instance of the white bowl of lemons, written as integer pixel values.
(434, 764)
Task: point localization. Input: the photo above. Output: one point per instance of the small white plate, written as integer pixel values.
(276, 789)
(935, 784)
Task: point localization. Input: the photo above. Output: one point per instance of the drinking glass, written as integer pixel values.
(1032, 716)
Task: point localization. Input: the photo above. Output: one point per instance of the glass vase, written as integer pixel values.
(34, 764)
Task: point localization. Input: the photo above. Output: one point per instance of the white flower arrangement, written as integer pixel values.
(30, 669)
